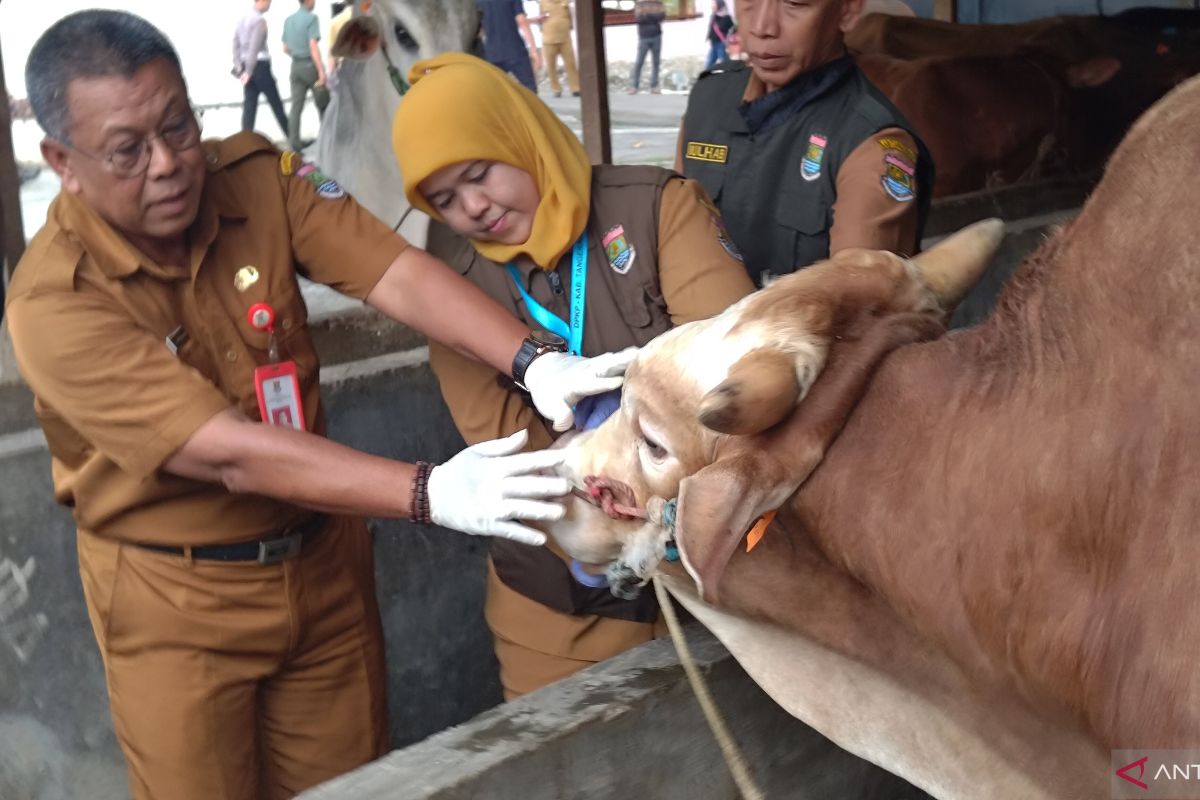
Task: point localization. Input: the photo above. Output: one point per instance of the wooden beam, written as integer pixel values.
(946, 10)
(12, 231)
(593, 81)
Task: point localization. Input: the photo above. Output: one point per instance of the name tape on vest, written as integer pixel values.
(700, 151)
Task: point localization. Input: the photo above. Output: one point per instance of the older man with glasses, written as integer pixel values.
(158, 319)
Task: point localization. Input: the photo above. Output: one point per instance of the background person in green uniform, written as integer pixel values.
(301, 38)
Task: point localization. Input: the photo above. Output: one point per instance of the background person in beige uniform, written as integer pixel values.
(556, 41)
(225, 563)
(489, 159)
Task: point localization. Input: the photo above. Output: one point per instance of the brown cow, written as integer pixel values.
(990, 582)
(1071, 38)
(1002, 104)
(995, 120)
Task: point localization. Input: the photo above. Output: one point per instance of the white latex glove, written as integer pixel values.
(485, 487)
(557, 381)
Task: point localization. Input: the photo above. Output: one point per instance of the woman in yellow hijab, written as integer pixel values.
(599, 258)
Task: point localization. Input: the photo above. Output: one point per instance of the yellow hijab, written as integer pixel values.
(461, 108)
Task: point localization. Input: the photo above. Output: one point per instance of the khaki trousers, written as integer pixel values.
(537, 645)
(235, 680)
(567, 51)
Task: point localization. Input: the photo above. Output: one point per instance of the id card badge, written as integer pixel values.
(278, 391)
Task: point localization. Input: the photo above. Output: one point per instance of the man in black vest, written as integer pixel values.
(801, 153)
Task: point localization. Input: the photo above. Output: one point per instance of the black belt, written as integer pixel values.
(265, 551)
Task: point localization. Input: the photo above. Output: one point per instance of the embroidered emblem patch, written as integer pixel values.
(725, 239)
(719, 223)
(891, 143)
(617, 249)
(810, 167)
(700, 151)
(898, 178)
(290, 163)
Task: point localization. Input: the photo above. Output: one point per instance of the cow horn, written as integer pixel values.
(954, 265)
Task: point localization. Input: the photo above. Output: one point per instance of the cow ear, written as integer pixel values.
(1093, 72)
(358, 39)
(761, 389)
(716, 507)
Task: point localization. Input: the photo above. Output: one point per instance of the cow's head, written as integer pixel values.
(698, 387)
(404, 31)
(378, 46)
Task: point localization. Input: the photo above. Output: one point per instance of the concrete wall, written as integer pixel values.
(629, 727)
(56, 739)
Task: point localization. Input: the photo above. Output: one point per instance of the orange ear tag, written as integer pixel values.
(759, 530)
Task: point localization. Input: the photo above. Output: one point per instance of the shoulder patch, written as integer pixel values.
(725, 240)
(899, 168)
(291, 163)
(714, 213)
(897, 178)
(898, 146)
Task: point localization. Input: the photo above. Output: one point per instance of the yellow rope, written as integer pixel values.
(729, 749)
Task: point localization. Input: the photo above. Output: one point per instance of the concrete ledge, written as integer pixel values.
(628, 727)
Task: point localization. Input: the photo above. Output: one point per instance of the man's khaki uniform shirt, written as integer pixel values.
(90, 317)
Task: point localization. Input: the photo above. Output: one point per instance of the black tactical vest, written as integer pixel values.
(775, 181)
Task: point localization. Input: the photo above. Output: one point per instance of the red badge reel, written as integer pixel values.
(276, 383)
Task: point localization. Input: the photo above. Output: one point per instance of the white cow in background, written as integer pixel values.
(354, 146)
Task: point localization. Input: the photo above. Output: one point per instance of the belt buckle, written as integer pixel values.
(272, 551)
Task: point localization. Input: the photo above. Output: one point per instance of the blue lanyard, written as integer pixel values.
(573, 333)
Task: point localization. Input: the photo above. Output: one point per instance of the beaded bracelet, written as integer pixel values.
(419, 511)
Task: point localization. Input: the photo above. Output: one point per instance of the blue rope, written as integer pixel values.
(668, 521)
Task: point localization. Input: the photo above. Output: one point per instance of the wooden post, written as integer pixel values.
(12, 231)
(946, 10)
(593, 81)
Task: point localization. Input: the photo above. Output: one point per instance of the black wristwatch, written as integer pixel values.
(536, 343)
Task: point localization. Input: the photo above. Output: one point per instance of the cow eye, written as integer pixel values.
(656, 451)
(403, 37)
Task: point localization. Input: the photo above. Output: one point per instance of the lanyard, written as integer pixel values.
(573, 333)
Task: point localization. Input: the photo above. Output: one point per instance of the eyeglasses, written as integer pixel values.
(133, 158)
